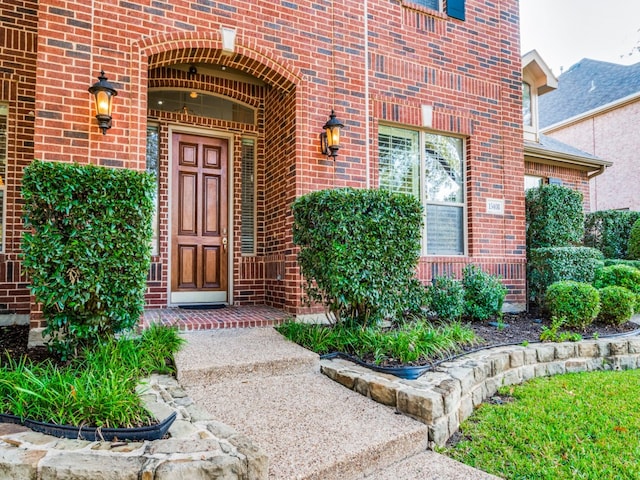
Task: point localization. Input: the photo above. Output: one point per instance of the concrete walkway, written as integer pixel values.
(271, 390)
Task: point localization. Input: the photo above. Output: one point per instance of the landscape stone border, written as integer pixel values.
(198, 447)
(446, 396)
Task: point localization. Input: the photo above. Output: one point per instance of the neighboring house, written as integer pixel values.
(225, 101)
(548, 160)
(596, 108)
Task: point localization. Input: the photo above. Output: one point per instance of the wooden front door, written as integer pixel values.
(199, 219)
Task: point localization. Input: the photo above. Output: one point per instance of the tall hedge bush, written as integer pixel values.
(554, 216)
(87, 248)
(633, 245)
(609, 231)
(552, 264)
(358, 251)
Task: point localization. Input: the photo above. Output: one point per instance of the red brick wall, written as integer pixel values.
(607, 136)
(18, 46)
(311, 57)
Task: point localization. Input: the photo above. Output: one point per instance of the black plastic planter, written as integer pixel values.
(404, 372)
(7, 418)
(92, 434)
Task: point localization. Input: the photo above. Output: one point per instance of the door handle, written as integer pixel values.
(224, 243)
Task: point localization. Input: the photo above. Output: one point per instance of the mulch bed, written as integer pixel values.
(519, 328)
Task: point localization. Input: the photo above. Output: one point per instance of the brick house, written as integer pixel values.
(547, 159)
(595, 108)
(225, 101)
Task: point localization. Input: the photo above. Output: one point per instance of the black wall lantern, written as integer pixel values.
(330, 138)
(103, 92)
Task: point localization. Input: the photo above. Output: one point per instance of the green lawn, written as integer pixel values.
(574, 426)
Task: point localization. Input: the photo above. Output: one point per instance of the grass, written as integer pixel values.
(574, 426)
(97, 389)
(411, 342)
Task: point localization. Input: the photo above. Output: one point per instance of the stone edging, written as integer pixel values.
(199, 447)
(443, 398)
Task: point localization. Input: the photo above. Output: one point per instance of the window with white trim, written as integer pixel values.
(4, 116)
(430, 167)
(248, 198)
(532, 181)
(454, 8)
(527, 110)
(432, 4)
(153, 160)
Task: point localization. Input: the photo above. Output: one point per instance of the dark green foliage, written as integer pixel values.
(633, 246)
(552, 264)
(617, 305)
(358, 251)
(554, 216)
(578, 303)
(612, 261)
(609, 231)
(87, 248)
(446, 298)
(483, 294)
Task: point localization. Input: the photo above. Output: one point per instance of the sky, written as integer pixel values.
(566, 31)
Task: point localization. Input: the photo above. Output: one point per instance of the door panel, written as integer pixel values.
(187, 266)
(212, 191)
(212, 269)
(188, 204)
(199, 219)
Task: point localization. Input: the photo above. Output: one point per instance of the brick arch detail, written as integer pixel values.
(248, 94)
(191, 47)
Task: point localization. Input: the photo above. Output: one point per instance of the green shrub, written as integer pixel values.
(553, 333)
(554, 217)
(620, 276)
(633, 246)
(483, 294)
(358, 251)
(553, 264)
(446, 298)
(87, 249)
(609, 231)
(613, 261)
(617, 305)
(577, 302)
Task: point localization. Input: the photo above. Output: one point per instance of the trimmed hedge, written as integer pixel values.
(87, 248)
(609, 231)
(617, 305)
(618, 275)
(554, 216)
(553, 264)
(578, 303)
(633, 246)
(614, 261)
(358, 252)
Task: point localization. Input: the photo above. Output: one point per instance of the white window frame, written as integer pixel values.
(533, 181)
(423, 188)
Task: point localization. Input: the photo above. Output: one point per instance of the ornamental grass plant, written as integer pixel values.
(412, 342)
(97, 388)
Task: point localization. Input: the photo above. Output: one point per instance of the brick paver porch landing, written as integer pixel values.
(227, 317)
